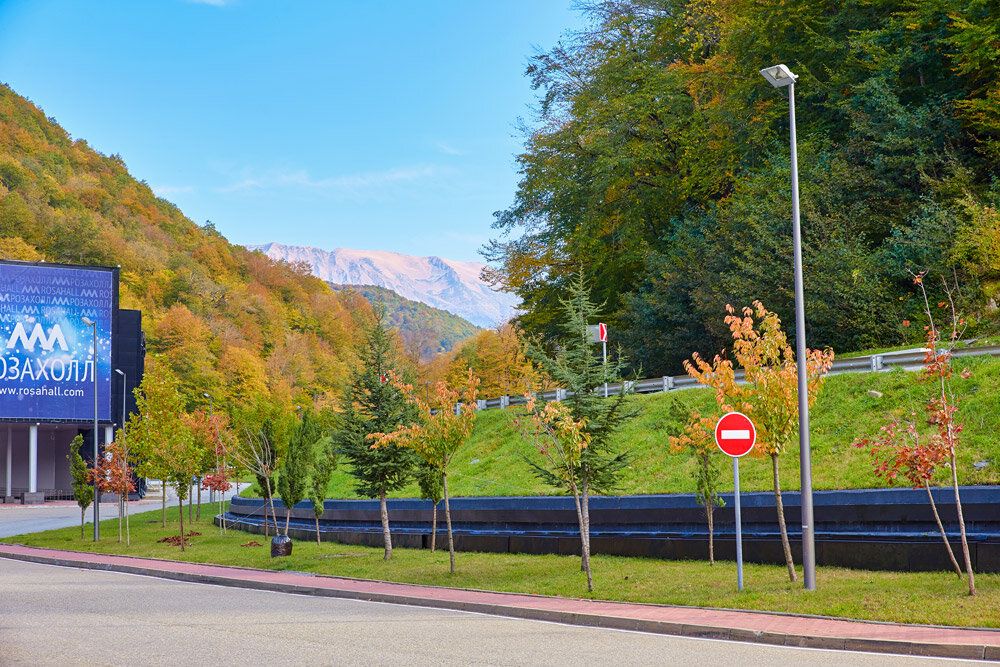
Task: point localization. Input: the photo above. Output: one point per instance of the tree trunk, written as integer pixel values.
(128, 534)
(781, 519)
(709, 510)
(447, 519)
(961, 524)
(585, 525)
(269, 500)
(584, 544)
(190, 504)
(197, 513)
(121, 502)
(434, 526)
(386, 536)
(317, 530)
(163, 518)
(83, 518)
(288, 517)
(944, 536)
(180, 508)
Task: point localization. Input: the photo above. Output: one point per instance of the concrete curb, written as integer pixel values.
(924, 649)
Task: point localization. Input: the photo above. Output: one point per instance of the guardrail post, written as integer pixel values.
(481, 403)
(668, 383)
(504, 402)
(877, 363)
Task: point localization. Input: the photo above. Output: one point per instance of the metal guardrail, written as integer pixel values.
(874, 363)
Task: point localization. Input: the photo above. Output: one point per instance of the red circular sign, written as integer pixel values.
(735, 434)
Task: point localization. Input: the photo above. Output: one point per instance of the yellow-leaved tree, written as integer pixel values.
(768, 392)
(446, 421)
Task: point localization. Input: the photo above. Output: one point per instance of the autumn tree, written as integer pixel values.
(445, 423)
(577, 367)
(768, 393)
(372, 404)
(160, 434)
(903, 450)
(159, 422)
(561, 439)
(698, 440)
(83, 492)
(114, 474)
(497, 358)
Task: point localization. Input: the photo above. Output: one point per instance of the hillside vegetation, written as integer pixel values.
(426, 331)
(229, 321)
(493, 461)
(658, 160)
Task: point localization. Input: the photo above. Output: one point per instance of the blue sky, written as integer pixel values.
(368, 125)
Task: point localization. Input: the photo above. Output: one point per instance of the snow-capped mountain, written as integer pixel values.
(442, 283)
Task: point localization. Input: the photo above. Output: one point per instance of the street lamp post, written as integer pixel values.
(780, 76)
(97, 496)
(121, 499)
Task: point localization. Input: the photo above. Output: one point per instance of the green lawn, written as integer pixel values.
(492, 462)
(935, 598)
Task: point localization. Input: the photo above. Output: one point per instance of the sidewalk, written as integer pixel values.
(762, 627)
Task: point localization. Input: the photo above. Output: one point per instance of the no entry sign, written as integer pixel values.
(735, 434)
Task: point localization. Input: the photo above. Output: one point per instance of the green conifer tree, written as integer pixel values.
(578, 367)
(293, 480)
(323, 466)
(375, 405)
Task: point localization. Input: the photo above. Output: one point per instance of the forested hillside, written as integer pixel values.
(229, 321)
(425, 330)
(659, 161)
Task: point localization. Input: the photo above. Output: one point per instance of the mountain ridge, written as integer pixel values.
(435, 281)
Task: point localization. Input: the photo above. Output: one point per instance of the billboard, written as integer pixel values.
(48, 363)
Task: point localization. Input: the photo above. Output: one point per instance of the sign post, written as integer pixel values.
(599, 334)
(735, 435)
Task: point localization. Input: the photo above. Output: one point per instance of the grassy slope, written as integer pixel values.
(492, 461)
(917, 597)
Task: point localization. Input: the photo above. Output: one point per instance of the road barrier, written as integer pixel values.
(875, 363)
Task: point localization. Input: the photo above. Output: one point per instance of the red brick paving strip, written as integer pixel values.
(752, 626)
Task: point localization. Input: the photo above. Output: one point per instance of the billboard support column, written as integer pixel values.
(33, 458)
(10, 446)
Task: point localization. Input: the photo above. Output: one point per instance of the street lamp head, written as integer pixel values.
(207, 395)
(89, 322)
(779, 76)
(120, 372)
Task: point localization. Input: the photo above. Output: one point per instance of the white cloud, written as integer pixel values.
(345, 184)
(169, 190)
(448, 149)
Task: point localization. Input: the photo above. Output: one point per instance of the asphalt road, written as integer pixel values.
(53, 615)
(21, 519)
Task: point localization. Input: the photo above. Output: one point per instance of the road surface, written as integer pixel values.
(54, 615)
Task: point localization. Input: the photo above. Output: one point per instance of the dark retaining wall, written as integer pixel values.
(877, 529)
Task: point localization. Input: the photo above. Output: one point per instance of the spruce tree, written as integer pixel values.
(578, 366)
(293, 480)
(372, 404)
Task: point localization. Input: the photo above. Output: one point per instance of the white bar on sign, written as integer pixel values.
(735, 434)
